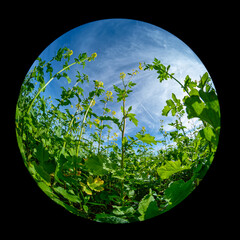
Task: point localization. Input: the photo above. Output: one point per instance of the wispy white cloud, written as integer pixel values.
(121, 45)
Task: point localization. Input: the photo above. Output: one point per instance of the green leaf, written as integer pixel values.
(146, 138)
(68, 196)
(42, 154)
(131, 84)
(132, 118)
(67, 77)
(209, 135)
(95, 184)
(208, 112)
(203, 80)
(46, 189)
(86, 189)
(170, 103)
(166, 110)
(177, 101)
(108, 218)
(95, 164)
(177, 191)
(174, 110)
(148, 207)
(123, 210)
(170, 168)
(194, 106)
(129, 109)
(35, 168)
(117, 89)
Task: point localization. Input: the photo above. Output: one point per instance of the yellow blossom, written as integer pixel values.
(140, 66)
(113, 113)
(101, 84)
(115, 134)
(94, 55)
(108, 94)
(143, 129)
(79, 107)
(70, 52)
(93, 102)
(122, 75)
(71, 106)
(98, 84)
(97, 121)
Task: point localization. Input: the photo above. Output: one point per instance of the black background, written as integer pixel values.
(203, 211)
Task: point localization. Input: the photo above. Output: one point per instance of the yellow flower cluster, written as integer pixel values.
(93, 56)
(97, 121)
(98, 84)
(122, 75)
(140, 66)
(93, 102)
(115, 135)
(108, 94)
(79, 107)
(70, 53)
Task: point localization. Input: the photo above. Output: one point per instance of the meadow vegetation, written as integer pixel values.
(86, 171)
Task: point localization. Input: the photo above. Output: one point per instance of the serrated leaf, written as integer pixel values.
(171, 168)
(146, 138)
(170, 103)
(132, 118)
(95, 164)
(203, 80)
(85, 189)
(68, 196)
(123, 210)
(176, 192)
(148, 207)
(108, 218)
(208, 112)
(166, 110)
(42, 154)
(35, 168)
(95, 184)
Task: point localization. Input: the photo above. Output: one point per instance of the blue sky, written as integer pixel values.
(120, 45)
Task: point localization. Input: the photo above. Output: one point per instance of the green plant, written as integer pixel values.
(79, 166)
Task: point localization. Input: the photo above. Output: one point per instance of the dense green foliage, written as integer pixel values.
(95, 178)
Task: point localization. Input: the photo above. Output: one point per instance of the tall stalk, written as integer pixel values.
(41, 89)
(123, 132)
(80, 60)
(82, 125)
(100, 133)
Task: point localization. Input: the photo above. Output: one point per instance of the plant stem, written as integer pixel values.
(100, 134)
(40, 90)
(84, 119)
(178, 83)
(123, 131)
